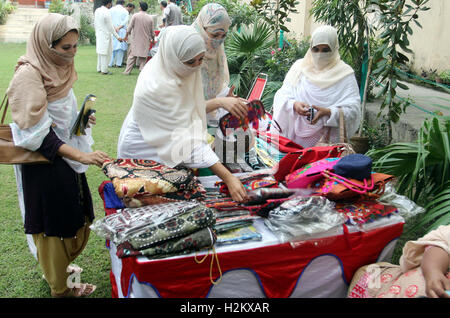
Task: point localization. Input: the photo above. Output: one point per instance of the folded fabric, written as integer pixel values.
(134, 180)
(110, 197)
(239, 235)
(178, 246)
(180, 225)
(129, 222)
(364, 211)
(220, 228)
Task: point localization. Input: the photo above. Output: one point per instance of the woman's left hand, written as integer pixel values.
(92, 120)
(320, 112)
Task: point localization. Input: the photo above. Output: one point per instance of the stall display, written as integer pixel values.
(302, 233)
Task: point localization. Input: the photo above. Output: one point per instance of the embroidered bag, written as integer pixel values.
(296, 160)
(335, 187)
(136, 179)
(255, 112)
(303, 177)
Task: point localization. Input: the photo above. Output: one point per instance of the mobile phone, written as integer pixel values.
(310, 116)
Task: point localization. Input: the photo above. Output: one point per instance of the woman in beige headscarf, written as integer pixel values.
(54, 198)
(320, 80)
(167, 121)
(212, 24)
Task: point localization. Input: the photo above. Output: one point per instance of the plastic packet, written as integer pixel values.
(405, 206)
(303, 218)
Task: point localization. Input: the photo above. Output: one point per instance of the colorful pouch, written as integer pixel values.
(255, 112)
(303, 177)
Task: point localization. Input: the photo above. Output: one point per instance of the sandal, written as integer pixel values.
(82, 291)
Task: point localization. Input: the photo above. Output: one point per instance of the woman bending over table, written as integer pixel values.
(167, 121)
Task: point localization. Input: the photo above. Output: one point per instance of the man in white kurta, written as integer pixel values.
(103, 31)
(119, 17)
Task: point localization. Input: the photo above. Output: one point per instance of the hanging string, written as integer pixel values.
(213, 256)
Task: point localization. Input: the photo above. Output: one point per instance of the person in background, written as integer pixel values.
(142, 33)
(103, 30)
(130, 8)
(306, 107)
(167, 121)
(424, 271)
(54, 198)
(171, 14)
(119, 17)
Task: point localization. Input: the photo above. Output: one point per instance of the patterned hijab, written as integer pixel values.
(215, 75)
(50, 76)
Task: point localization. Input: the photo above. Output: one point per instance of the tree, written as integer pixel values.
(352, 19)
(276, 13)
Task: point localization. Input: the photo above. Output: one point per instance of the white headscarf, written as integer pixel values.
(322, 69)
(213, 17)
(169, 106)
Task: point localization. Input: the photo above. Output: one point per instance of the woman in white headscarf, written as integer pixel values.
(167, 122)
(212, 24)
(320, 80)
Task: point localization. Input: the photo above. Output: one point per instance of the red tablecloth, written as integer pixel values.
(277, 267)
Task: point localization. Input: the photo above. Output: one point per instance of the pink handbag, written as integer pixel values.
(304, 177)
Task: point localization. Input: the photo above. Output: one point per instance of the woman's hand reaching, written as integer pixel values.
(236, 189)
(94, 158)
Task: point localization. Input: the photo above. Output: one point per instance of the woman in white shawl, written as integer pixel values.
(320, 80)
(167, 122)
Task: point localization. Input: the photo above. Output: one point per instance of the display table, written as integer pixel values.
(320, 267)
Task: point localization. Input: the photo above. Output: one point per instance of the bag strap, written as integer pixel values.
(349, 184)
(342, 127)
(4, 104)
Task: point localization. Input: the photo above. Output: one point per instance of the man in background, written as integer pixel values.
(103, 31)
(142, 32)
(171, 14)
(130, 7)
(119, 17)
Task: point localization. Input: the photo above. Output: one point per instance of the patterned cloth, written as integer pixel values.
(144, 182)
(361, 212)
(230, 122)
(384, 280)
(178, 246)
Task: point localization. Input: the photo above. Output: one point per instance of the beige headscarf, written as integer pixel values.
(42, 75)
(168, 105)
(321, 69)
(215, 75)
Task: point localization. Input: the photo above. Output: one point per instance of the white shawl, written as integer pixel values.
(169, 106)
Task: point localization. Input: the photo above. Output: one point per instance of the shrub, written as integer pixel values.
(58, 6)
(6, 8)
(87, 31)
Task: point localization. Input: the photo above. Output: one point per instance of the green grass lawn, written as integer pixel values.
(20, 274)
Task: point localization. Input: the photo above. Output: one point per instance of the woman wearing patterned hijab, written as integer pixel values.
(213, 23)
(55, 200)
